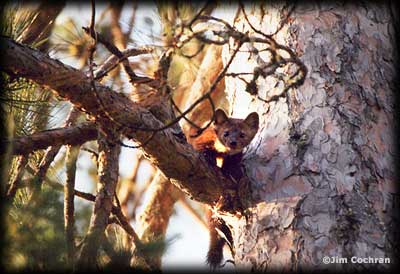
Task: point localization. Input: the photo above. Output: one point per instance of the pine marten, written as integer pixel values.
(223, 144)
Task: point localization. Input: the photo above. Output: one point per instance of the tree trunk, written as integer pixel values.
(321, 166)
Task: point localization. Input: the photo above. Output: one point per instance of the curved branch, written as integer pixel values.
(168, 150)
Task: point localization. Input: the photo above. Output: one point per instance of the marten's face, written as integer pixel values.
(235, 134)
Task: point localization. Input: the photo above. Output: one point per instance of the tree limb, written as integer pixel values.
(168, 150)
(50, 154)
(72, 135)
(108, 178)
(69, 209)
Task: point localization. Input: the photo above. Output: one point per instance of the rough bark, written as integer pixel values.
(322, 165)
(186, 168)
(108, 179)
(69, 208)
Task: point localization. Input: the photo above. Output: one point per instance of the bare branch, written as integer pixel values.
(134, 79)
(72, 135)
(49, 156)
(122, 220)
(113, 61)
(108, 178)
(120, 217)
(69, 188)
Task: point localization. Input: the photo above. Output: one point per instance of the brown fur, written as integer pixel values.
(227, 136)
(225, 140)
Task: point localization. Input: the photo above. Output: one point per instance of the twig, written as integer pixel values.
(141, 145)
(134, 79)
(113, 61)
(91, 151)
(189, 25)
(201, 130)
(184, 117)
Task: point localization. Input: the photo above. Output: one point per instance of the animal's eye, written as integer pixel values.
(226, 133)
(242, 135)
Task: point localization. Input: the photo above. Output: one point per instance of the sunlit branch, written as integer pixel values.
(113, 61)
(50, 154)
(72, 135)
(73, 85)
(69, 209)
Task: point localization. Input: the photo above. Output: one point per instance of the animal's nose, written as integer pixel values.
(233, 143)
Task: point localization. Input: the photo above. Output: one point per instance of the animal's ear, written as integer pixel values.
(252, 120)
(220, 117)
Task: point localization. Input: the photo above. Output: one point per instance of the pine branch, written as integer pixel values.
(122, 219)
(72, 135)
(185, 167)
